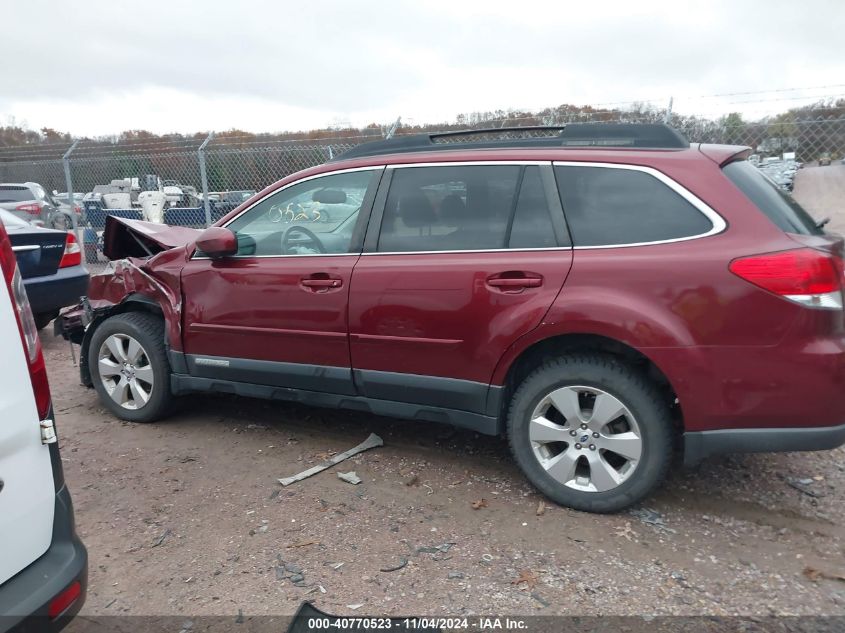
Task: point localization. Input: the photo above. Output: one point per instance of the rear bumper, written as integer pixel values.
(51, 292)
(25, 598)
(701, 444)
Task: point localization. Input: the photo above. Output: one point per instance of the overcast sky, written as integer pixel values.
(98, 67)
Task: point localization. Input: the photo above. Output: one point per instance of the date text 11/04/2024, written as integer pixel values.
(418, 624)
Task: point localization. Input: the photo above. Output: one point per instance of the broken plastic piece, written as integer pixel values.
(351, 477)
(373, 441)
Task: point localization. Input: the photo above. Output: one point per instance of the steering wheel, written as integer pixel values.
(312, 239)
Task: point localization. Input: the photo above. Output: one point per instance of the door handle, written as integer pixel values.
(515, 283)
(321, 282)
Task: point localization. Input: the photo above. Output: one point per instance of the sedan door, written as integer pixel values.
(459, 262)
(276, 313)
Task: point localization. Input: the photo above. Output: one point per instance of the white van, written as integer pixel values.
(43, 564)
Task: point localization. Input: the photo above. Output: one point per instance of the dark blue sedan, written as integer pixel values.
(50, 262)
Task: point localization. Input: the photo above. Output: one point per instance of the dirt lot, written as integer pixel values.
(185, 516)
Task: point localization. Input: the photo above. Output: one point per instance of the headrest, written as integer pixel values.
(329, 196)
(452, 208)
(416, 211)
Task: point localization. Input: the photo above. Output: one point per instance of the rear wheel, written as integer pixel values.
(129, 366)
(60, 221)
(590, 432)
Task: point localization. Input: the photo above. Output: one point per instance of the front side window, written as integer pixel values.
(313, 217)
(611, 206)
(465, 208)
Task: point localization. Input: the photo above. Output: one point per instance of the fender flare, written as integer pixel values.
(134, 299)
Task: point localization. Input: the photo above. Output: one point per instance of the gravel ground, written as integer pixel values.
(185, 517)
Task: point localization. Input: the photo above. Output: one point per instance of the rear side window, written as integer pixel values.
(15, 194)
(776, 204)
(610, 206)
(466, 208)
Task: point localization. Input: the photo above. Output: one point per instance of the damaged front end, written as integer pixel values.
(143, 275)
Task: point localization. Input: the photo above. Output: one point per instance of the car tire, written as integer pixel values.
(577, 466)
(129, 366)
(43, 319)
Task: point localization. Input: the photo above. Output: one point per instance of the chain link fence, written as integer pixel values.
(195, 181)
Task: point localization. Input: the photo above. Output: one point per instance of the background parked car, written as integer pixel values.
(31, 202)
(66, 208)
(44, 565)
(50, 263)
(824, 160)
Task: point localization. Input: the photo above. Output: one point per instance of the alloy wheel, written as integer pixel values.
(125, 371)
(585, 438)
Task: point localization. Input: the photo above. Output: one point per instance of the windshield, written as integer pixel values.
(780, 207)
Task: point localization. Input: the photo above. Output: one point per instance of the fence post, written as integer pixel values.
(70, 200)
(204, 178)
(667, 117)
(393, 128)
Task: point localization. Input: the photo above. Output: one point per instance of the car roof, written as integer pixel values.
(622, 135)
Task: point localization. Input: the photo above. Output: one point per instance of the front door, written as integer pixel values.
(468, 258)
(276, 313)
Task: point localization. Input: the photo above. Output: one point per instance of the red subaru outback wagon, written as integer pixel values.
(603, 295)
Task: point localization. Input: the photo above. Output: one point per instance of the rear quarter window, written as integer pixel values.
(616, 206)
(775, 203)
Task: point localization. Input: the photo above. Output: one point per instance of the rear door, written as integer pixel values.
(460, 260)
(27, 494)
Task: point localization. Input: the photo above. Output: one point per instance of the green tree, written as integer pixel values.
(735, 129)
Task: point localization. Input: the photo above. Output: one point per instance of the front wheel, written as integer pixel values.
(129, 366)
(590, 432)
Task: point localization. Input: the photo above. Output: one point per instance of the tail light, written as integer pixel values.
(77, 209)
(26, 326)
(73, 254)
(32, 209)
(806, 276)
(64, 600)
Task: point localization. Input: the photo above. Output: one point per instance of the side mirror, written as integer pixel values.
(215, 241)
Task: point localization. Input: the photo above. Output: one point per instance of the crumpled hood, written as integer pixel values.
(135, 238)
